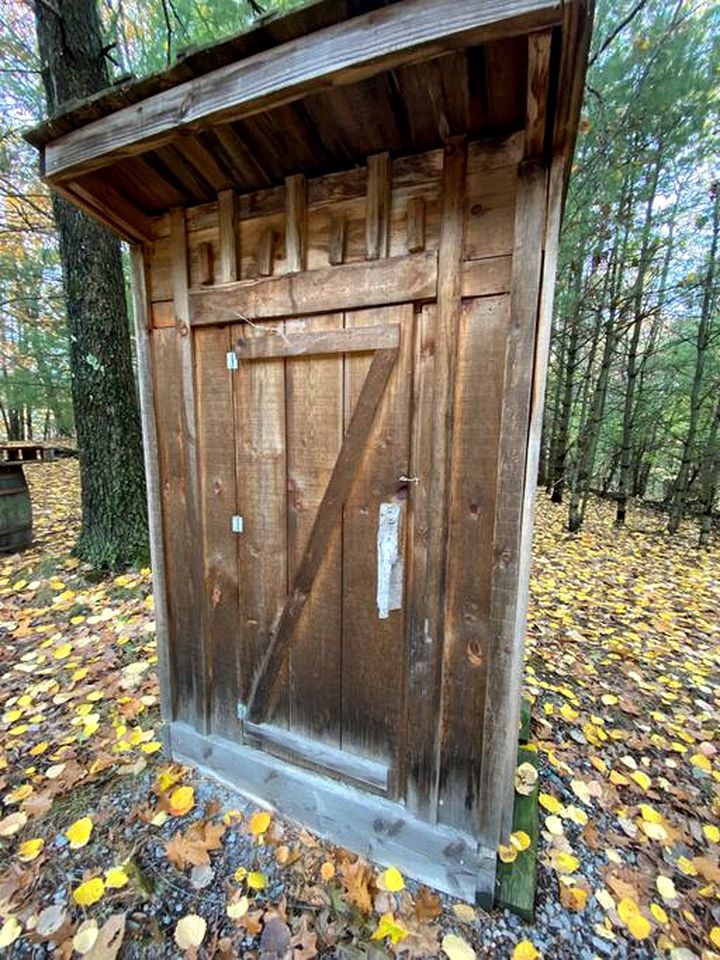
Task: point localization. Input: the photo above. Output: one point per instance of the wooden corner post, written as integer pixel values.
(152, 484)
(188, 622)
(515, 480)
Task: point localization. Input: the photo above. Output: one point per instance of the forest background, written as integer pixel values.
(633, 404)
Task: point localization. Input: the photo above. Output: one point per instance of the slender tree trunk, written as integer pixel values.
(590, 427)
(569, 366)
(6, 421)
(711, 479)
(629, 407)
(107, 418)
(681, 486)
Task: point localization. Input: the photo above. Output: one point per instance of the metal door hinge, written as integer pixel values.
(236, 524)
(231, 360)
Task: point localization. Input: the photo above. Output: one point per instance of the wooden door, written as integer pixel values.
(322, 449)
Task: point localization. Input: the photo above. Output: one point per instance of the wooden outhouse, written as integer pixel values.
(344, 230)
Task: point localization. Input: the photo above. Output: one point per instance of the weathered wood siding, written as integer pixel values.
(422, 245)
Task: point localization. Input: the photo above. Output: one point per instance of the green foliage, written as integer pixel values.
(637, 231)
(143, 37)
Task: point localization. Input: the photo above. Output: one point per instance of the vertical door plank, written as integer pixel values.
(296, 223)
(262, 503)
(146, 382)
(377, 207)
(504, 666)
(424, 738)
(372, 654)
(478, 401)
(182, 526)
(418, 662)
(216, 451)
(228, 259)
(314, 437)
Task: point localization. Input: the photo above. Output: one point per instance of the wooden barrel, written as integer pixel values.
(15, 509)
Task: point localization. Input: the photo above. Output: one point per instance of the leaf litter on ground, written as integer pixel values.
(108, 849)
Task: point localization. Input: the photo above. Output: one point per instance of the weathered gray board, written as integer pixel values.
(375, 827)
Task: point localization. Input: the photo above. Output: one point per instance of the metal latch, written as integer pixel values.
(236, 524)
(232, 360)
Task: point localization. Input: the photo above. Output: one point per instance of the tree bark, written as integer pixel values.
(568, 366)
(629, 405)
(107, 420)
(591, 426)
(681, 485)
(711, 476)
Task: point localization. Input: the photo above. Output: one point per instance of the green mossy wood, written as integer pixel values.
(517, 880)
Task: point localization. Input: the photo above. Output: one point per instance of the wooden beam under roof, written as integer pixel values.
(344, 53)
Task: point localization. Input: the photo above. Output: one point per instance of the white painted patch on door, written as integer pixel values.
(389, 561)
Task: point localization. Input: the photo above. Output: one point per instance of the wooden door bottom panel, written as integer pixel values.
(327, 760)
(377, 828)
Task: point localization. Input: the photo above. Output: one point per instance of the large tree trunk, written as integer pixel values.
(114, 512)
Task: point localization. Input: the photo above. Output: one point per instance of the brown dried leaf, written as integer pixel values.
(427, 905)
(109, 940)
(305, 941)
(356, 878)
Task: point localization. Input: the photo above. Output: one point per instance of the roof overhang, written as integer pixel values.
(291, 60)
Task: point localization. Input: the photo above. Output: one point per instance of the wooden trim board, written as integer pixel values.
(311, 343)
(352, 286)
(326, 290)
(333, 762)
(347, 52)
(377, 828)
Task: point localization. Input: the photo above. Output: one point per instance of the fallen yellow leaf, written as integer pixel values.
(116, 878)
(182, 800)
(89, 892)
(78, 833)
(259, 822)
(641, 779)
(84, 939)
(525, 950)
(520, 840)
(393, 880)
(238, 908)
(10, 931)
(666, 888)
(190, 931)
(637, 924)
(256, 880)
(389, 927)
(712, 833)
(508, 854)
(30, 849)
(456, 948)
(550, 803)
